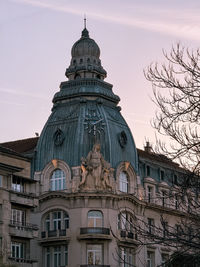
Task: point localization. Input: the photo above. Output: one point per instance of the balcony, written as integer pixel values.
(24, 262)
(129, 237)
(94, 233)
(26, 230)
(27, 199)
(61, 234)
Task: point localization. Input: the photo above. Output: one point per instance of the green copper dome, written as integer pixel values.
(85, 111)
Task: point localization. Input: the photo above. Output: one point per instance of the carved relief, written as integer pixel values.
(95, 171)
(58, 137)
(122, 138)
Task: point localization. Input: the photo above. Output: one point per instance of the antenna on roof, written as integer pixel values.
(84, 21)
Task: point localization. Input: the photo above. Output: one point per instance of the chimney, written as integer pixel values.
(148, 147)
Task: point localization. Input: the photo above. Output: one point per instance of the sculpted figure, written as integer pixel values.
(95, 168)
(105, 179)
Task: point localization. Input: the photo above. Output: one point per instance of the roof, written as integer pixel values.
(29, 144)
(156, 157)
(21, 146)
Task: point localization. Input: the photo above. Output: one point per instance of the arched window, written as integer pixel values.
(125, 221)
(58, 180)
(95, 218)
(123, 182)
(56, 220)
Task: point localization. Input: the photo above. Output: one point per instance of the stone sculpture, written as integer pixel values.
(95, 171)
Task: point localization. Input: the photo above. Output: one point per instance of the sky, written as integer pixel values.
(35, 50)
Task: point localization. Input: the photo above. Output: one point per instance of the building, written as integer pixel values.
(17, 200)
(91, 182)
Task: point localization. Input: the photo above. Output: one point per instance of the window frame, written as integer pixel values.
(94, 219)
(58, 182)
(123, 183)
(94, 252)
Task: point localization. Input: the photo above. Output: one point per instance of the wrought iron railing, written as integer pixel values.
(95, 230)
(53, 233)
(23, 225)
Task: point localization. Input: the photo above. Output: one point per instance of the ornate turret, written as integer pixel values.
(85, 62)
(84, 113)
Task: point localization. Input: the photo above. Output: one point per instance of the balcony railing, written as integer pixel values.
(95, 230)
(22, 260)
(24, 226)
(53, 233)
(126, 234)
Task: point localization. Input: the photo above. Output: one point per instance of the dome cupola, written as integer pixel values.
(85, 112)
(85, 61)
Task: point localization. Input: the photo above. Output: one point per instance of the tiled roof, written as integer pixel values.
(22, 146)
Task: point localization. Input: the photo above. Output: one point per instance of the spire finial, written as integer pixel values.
(84, 21)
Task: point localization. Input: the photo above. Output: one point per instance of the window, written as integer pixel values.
(1, 180)
(179, 230)
(18, 217)
(163, 197)
(58, 180)
(127, 257)
(17, 184)
(17, 250)
(148, 172)
(164, 258)
(66, 220)
(56, 220)
(56, 256)
(151, 224)
(162, 175)
(47, 223)
(150, 259)
(149, 194)
(95, 218)
(175, 179)
(176, 204)
(126, 225)
(94, 254)
(165, 228)
(123, 182)
(47, 257)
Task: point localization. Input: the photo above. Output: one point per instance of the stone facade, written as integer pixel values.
(17, 201)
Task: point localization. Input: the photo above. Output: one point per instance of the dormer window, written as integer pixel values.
(123, 182)
(148, 170)
(58, 180)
